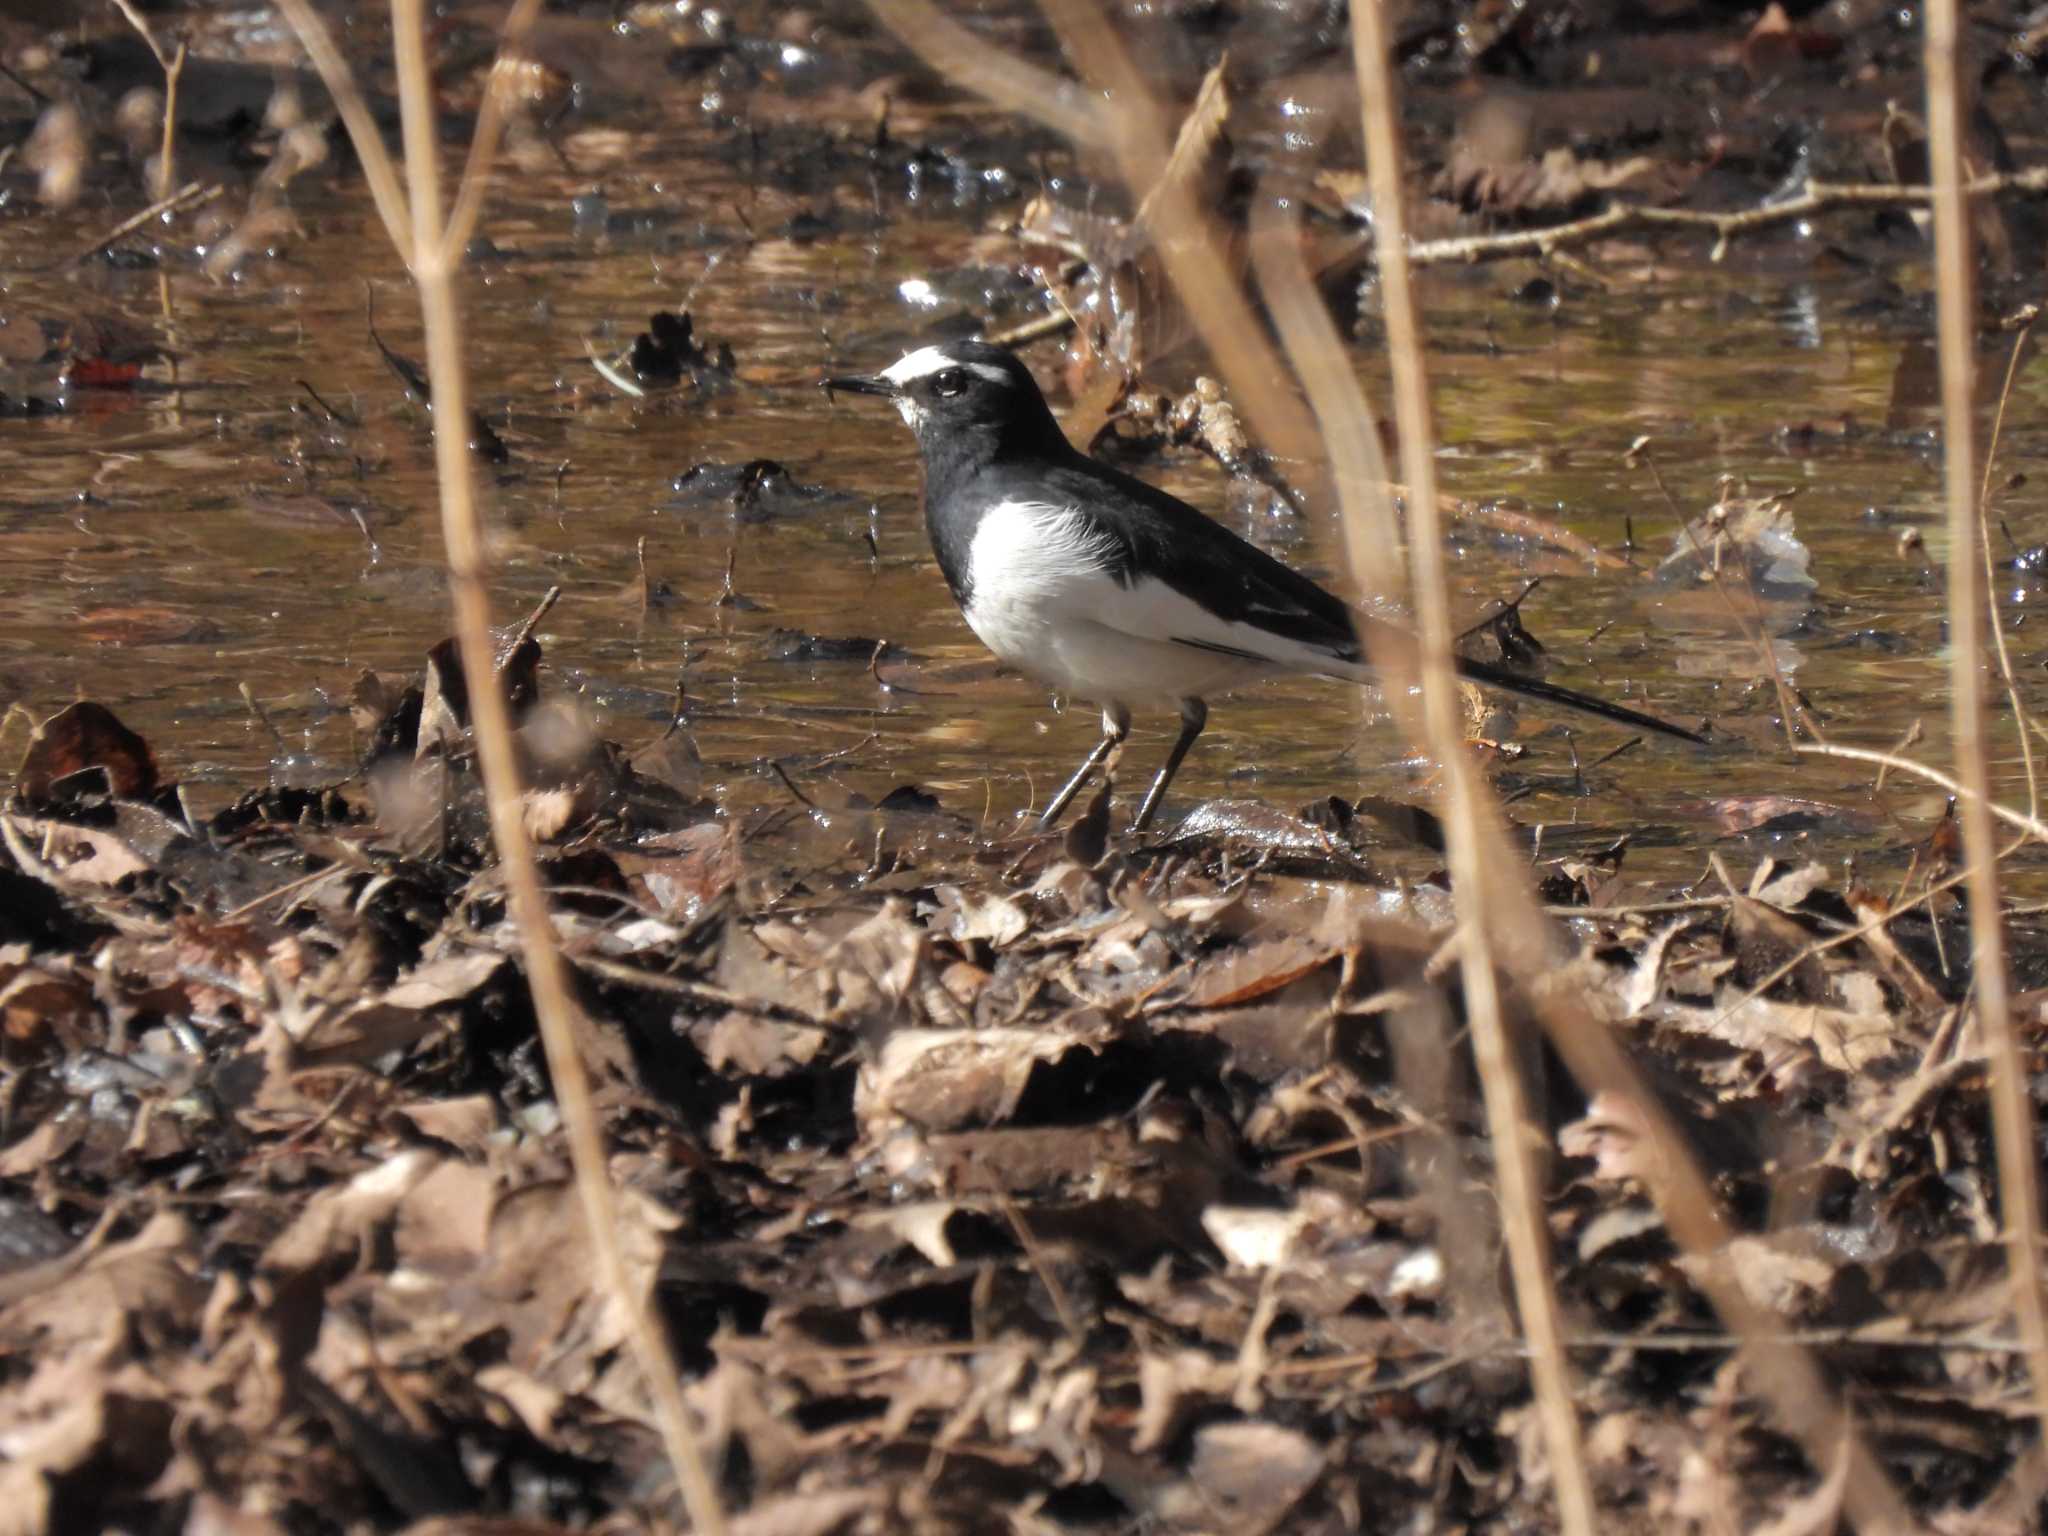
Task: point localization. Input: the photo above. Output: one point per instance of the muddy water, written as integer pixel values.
(166, 545)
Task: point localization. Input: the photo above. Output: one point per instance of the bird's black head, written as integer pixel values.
(966, 401)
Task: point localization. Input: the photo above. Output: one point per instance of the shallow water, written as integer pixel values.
(168, 544)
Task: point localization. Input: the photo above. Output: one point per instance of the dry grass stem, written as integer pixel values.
(1862, 930)
(1525, 940)
(1041, 1265)
(1787, 1376)
(2012, 689)
(1500, 1075)
(490, 128)
(1373, 547)
(1965, 795)
(1372, 533)
(1199, 129)
(173, 67)
(2011, 1109)
(192, 195)
(1188, 238)
(378, 168)
(967, 60)
(421, 239)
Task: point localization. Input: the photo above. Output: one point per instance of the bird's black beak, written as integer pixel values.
(860, 384)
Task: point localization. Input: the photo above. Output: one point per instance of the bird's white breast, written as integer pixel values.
(1032, 567)
(1043, 595)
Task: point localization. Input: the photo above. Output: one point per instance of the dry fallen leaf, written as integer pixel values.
(1252, 1474)
(949, 1079)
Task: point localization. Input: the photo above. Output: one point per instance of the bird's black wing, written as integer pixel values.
(1160, 535)
(1153, 531)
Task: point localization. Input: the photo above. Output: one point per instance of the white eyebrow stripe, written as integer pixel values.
(926, 361)
(922, 363)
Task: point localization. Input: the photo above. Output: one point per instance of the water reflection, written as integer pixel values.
(169, 544)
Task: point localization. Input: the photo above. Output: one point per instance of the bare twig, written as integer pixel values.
(703, 993)
(1009, 82)
(173, 73)
(1816, 198)
(2032, 825)
(1863, 930)
(191, 195)
(378, 168)
(1190, 244)
(1191, 145)
(1372, 534)
(38, 97)
(1467, 1233)
(1025, 332)
(531, 622)
(1041, 1265)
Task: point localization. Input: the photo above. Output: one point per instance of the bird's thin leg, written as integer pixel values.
(1194, 714)
(1116, 724)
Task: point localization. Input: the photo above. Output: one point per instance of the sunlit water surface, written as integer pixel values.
(164, 546)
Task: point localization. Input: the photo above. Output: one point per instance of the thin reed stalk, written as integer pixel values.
(1525, 941)
(2005, 671)
(418, 227)
(173, 66)
(1189, 241)
(1955, 297)
(1465, 1232)
(1358, 466)
(490, 128)
(1500, 1078)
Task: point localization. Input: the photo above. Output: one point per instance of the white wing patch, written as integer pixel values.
(1152, 610)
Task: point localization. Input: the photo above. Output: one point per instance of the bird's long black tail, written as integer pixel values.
(1585, 703)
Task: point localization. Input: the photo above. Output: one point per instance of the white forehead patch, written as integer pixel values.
(926, 361)
(920, 364)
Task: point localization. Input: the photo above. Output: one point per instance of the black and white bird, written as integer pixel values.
(1110, 589)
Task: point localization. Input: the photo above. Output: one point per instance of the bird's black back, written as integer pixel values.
(1142, 529)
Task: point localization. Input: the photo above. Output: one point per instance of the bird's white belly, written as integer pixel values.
(1043, 599)
(1090, 660)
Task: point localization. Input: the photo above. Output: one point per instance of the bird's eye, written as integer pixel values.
(949, 381)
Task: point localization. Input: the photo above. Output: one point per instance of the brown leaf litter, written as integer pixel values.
(977, 1187)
